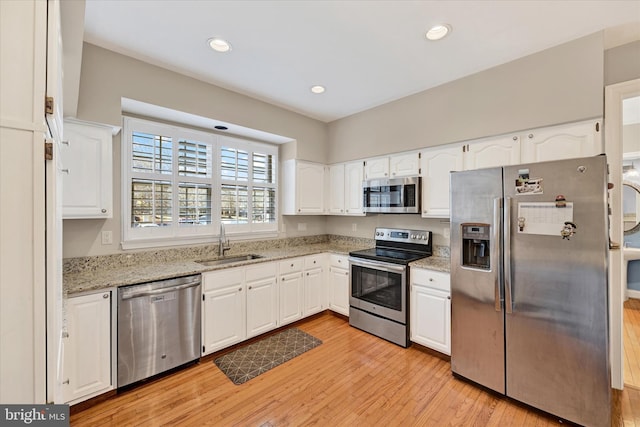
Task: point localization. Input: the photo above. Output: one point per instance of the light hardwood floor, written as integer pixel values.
(632, 342)
(352, 379)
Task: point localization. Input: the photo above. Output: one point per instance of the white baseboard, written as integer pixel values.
(633, 294)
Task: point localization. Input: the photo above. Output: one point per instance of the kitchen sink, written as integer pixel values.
(229, 260)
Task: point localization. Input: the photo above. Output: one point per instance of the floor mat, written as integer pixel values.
(248, 362)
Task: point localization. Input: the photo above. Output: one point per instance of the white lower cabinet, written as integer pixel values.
(262, 298)
(87, 347)
(339, 284)
(430, 309)
(290, 289)
(223, 309)
(313, 284)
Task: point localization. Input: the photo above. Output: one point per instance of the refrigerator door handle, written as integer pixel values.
(495, 252)
(508, 294)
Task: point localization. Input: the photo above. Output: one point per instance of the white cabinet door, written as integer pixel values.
(404, 165)
(431, 318)
(336, 189)
(376, 168)
(223, 310)
(313, 295)
(487, 153)
(563, 142)
(430, 309)
(339, 290)
(87, 171)
(437, 163)
(309, 188)
(353, 177)
(87, 348)
(290, 295)
(262, 302)
(313, 284)
(303, 185)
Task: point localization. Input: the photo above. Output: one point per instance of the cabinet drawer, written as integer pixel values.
(313, 261)
(291, 265)
(339, 261)
(431, 279)
(261, 271)
(221, 279)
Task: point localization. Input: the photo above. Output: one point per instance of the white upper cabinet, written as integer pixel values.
(336, 189)
(302, 188)
(376, 168)
(404, 165)
(563, 142)
(436, 165)
(345, 189)
(491, 152)
(353, 177)
(87, 175)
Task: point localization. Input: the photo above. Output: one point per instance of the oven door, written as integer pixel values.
(379, 288)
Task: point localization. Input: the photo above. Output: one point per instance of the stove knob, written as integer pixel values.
(424, 237)
(413, 236)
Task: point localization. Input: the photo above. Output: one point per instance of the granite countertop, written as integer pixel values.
(107, 275)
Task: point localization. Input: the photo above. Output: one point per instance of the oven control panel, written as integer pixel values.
(402, 235)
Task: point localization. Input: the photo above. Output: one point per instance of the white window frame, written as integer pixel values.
(147, 237)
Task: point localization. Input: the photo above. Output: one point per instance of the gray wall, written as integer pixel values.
(558, 85)
(622, 63)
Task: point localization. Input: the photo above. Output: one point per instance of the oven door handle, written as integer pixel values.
(378, 265)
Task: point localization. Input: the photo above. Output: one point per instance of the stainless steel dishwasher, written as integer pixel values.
(158, 327)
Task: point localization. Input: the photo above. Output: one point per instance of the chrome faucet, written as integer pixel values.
(223, 244)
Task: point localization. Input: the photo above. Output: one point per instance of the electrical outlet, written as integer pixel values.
(302, 226)
(354, 226)
(447, 232)
(107, 237)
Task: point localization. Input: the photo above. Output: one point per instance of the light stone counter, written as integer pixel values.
(433, 263)
(96, 273)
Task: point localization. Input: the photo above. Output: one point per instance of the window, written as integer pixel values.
(179, 185)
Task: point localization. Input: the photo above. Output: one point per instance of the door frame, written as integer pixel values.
(614, 94)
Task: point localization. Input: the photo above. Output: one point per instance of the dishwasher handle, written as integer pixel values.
(145, 293)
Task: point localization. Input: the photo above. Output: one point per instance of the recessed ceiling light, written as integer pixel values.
(317, 89)
(219, 45)
(438, 31)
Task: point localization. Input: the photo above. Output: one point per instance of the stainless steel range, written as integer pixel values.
(379, 299)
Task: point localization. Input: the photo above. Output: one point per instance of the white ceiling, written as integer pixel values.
(366, 53)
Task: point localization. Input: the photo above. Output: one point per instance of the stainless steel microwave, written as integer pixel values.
(391, 195)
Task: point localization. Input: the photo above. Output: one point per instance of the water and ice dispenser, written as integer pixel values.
(476, 246)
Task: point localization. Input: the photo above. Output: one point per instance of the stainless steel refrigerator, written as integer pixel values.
(529, 254)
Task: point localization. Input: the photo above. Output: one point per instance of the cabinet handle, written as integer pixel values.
(283, 279)
(65, 143)
(530, 136)
(250, 287)
(314, 261)
(291, 265)
(65, 335)
(307, 274)
(431, 279)
(66, 381)
(449, 297)
(104, 211)
(64, 171)
(240, 290)
(515, 138)
(105, 296)
(346, 273)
